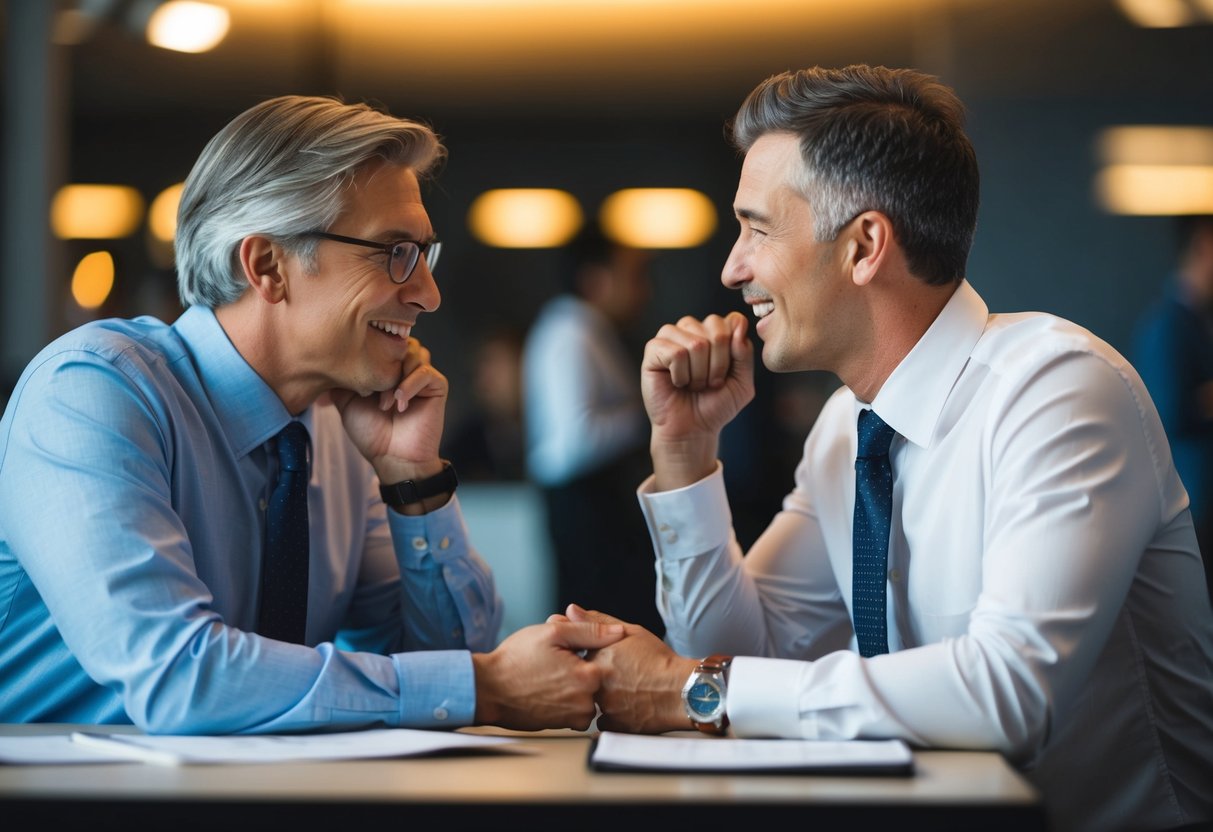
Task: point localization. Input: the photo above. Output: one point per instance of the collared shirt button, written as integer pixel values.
(895, 575)
(262, 504)
(440, 713)
(445, 544)
(672, 537)
(419, 543)
(664, 527)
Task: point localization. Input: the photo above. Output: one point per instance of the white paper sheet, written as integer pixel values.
(98, 746)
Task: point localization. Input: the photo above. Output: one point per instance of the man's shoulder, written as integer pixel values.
(1042, 356)
(1023, 339)
(559, 322)
(111, 338)
(144, 351)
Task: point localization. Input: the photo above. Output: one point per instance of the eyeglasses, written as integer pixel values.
(402, 255)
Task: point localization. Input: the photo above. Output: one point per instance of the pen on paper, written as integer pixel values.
(113, 744)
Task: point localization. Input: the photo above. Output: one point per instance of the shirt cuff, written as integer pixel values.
(437, 688)
(440, 533)
(687, 521)
(764, 696)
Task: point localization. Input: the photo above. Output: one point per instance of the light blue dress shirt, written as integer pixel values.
(133, 478)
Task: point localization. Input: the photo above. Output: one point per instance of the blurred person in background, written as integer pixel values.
(987, 545)
(586, 430)
(1173, 351)
(139, 508)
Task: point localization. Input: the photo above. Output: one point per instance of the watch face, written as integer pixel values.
(703, 698)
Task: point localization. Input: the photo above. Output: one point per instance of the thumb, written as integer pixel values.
(739, 346)
(576, 613)
(587, 635)
(741, 349)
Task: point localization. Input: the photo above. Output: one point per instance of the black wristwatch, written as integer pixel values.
(414, 491)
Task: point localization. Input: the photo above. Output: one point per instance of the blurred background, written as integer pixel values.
(1092, 119)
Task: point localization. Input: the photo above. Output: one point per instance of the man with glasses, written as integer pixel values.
(986, 545)
(240, 522)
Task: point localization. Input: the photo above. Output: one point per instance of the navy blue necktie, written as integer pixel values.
(870, 536)
(283, 613)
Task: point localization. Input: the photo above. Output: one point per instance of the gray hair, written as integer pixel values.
(279, 169)
(872, 138)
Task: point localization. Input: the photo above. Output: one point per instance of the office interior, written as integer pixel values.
(591, 97)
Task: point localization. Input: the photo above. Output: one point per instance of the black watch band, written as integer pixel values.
(414, 491)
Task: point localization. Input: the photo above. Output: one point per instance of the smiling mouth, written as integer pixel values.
(761, 310)
(392, 328)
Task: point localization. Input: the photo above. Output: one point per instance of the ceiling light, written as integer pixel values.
(162, 216)
(1155, 170)
(1156, 190)
(186, 26)
(1159, 14)
(96, 212)
(93, 279)
(1156, 145)
(658, 217)
(525, 217)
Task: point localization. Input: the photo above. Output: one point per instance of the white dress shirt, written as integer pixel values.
(1046, 597)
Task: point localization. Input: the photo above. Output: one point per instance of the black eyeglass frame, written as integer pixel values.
(430, 249)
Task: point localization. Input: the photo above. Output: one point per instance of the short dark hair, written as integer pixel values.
(873, 138)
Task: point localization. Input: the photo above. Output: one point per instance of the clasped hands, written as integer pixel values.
(640, 678)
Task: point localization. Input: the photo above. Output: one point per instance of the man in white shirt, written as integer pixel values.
(1043, 592)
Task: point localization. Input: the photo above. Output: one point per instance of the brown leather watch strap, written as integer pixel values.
(715, 663)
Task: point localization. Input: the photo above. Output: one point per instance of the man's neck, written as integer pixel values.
(253, 337)
(899, 320)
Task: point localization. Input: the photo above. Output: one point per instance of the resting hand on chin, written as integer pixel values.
(399, 430)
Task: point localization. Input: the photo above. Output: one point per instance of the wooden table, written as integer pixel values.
(543, 784)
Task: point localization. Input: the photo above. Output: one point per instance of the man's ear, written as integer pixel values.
(870, 241)
(261, 260)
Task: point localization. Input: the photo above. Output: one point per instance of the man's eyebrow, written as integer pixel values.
(398, 235)
(751, 215)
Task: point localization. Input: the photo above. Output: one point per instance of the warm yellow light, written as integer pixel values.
(93, 279)
(1156, 190)
(525, 217)
(1156, 13)
(658, 217)
(162, 216)
(96, 212)
(1156, 145)
(186, 26)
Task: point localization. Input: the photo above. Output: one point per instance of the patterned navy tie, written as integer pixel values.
(873, 510)
(283, 614)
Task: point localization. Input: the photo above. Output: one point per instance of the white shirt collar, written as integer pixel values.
(913, 396)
